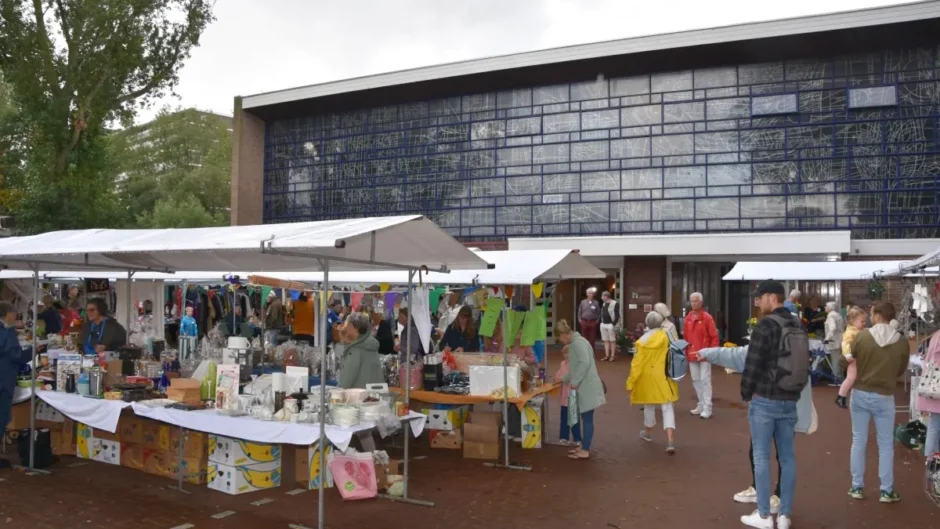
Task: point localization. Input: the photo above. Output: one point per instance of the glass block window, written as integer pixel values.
(848, 143)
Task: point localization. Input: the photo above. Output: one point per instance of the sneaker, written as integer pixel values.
(670, 449)
(756, 520)
(564, 442)
(889, 497)
(645, 436)
(774, 504)
(856, 493)
(746, 496)
(706, 414)
(696, 411)
(783, 522)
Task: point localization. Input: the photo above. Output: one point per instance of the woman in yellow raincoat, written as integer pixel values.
(648, 383)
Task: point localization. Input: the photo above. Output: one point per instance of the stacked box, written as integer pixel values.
(307, 466)
(532, 423)
(88, 446)
(237, 466)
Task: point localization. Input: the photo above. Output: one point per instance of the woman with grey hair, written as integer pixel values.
(361, 364)
(832, 342)
(589, 316)
(668, 325)
(648, 384)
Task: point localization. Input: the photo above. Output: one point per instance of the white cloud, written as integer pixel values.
(258, 47)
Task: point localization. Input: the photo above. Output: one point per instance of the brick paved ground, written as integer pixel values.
(628, 484)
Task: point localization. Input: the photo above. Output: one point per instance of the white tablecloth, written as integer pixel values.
(97, 413)
(256, 430)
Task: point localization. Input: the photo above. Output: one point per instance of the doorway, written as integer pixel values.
(740, 308)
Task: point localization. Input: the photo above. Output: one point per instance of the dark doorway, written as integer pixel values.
(739, 310)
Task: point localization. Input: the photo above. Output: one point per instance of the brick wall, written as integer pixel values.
(644, 275)
(852, 291)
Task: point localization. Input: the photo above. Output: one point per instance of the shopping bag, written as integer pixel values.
(416, 380)
(930, 382)
(354, 476)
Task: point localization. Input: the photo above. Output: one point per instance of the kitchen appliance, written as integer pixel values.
(95, 383)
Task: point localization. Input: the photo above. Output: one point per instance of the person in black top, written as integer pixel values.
(771, 409)
(50, 315)
(461, 336)
(382, 330)
(610, 320)
(815, 316)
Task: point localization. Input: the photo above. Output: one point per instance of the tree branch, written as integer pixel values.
(157, 78)
(45, 48)
(66, 29)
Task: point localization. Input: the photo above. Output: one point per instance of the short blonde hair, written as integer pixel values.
(856, 312)
(662, 309)
(562, 327)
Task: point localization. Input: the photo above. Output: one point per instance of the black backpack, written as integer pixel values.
(42, 457)
(792, 370)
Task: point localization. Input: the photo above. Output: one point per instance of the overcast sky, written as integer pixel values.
(264, 45)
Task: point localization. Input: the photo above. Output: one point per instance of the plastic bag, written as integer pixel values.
(354, 476)
(416, 380)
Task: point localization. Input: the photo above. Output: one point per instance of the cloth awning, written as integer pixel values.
(810, 271)
(512, 267)
(919, 266)
(349, 244)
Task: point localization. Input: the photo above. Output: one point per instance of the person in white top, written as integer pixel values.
(667, 325)
(835, 326)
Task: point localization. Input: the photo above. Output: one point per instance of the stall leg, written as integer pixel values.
(32, 391)
(179, 465)
(406, 348)
(325, 265)
(506, 464)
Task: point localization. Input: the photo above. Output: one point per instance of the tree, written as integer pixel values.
(12, 143)
(75, 66)
(185, 212)
(181, 158)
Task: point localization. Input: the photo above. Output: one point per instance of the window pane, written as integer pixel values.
(642, 115)
(876, 96)
(770, 105)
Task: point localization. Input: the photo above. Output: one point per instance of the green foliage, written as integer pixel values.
(74, 67)
(186, 212)
(182, 158)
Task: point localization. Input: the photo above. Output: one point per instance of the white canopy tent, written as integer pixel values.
(406, 242)
(811, 271)
(928, 261)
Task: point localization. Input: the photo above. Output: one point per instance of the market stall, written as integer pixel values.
(408, 242)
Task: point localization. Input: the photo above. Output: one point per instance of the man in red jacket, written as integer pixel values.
(700, 332)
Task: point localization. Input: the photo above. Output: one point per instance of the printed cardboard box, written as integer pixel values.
(532, 423)
(157, 463)
(98, 433)
(131, 430)
(132, 456)
(307, 466)
(194, 443)
(446, 440)
(105, 451)
(155, 436)
(447, 420)
(238, 452)
(195, 469)
(84, 441)
(244, 478)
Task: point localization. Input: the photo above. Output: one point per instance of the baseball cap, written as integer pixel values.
(768, 287)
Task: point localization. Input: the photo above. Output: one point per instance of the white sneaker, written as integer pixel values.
(706, 414)
(755, 520)
(746, 496)
(774, 505)
(783, 522)
(696, 411)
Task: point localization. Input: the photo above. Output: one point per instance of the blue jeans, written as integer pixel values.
(932, 445)
(773, 420)
(567, 431)
(866, 406)
(587, 420)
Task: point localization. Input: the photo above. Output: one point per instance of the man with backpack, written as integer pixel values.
(776, 370)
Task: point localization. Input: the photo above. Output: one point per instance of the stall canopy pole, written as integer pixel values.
(127, 310)
(407, 351)
(32, 388)
(321, 445)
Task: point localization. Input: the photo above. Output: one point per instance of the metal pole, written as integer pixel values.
(407, 351)
(325, 265)
(127, 310)
(32, 389)
(505, 385)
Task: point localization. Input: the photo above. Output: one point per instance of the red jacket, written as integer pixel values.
(700, 332)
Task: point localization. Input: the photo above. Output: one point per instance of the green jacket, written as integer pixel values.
(361, 364)
(582, 374)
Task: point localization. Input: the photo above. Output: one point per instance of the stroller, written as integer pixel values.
(820, 369)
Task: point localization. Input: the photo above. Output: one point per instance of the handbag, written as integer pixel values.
(929, 386)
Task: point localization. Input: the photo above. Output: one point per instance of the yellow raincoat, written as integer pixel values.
(648, 383)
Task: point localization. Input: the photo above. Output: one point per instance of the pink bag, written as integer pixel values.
(354, 476)
(417, 376)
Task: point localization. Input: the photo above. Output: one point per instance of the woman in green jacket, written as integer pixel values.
(361, 364)
(585, 384)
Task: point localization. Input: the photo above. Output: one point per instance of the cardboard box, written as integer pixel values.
(446, 440)
(107, 436)
(195, 470)
(19, 417)
(84, 441)
(131, 430)
(184, 390)
(481, 436)
(47, 416)
(382, 472)
(447, 420)
(238, 452)
(155, 436)
(132, 456)
(307, 467)
(245, 478)
(63, 445)
(157, 463)
(113, 375)
(194, 443)
(532, 423)
(105, 451)
(484, 380)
